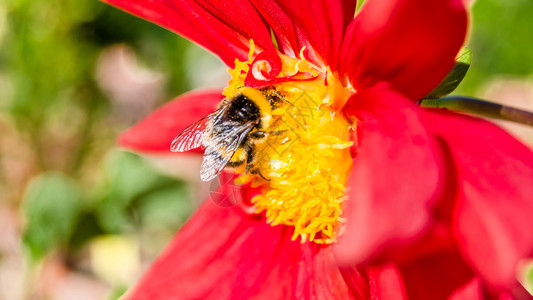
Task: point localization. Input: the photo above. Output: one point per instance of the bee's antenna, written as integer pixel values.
(281, 97)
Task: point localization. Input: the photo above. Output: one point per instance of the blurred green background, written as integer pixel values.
(80, 219)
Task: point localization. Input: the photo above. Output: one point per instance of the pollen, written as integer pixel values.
(302, 166)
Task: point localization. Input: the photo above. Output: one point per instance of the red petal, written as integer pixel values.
(386, 283)
(493, 215)
(395, 178)
(223, 253)
(409, 43)
(435, 276)
(322, 23)
(156, 132)
(474, 290)
(289, 41)
(470, 291)
(222, 27)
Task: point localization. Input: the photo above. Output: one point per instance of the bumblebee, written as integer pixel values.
(231, 134)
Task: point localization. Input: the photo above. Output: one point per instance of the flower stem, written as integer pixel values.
(480, 107)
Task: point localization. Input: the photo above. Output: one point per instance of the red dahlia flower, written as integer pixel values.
(360, 193)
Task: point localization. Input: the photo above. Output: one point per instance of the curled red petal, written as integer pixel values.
(409, 43)
(395, 180)
(155, 132)
(267, 63)
(492, 217)
(265, 69)
(215, 25)
(321, 23)
(224, 253)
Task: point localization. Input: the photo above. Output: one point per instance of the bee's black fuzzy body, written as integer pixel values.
(233, 132)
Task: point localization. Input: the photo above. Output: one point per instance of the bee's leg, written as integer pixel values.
(277, 132)
(249, 156)
(262, 134)
(280, 97)
(257, 135)
(257, 172)
(250, 162)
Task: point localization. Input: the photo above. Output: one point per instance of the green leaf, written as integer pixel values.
(454, 78)
(130, 179)
(51, 206)
(117, 292)
(165, 208)
(529, 279)
(359, 5)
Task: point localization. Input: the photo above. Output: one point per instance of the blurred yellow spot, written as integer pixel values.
(115, 258)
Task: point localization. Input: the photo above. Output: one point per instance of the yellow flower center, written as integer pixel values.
(304, 162)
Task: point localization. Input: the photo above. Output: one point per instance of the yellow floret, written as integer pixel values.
(305, 158)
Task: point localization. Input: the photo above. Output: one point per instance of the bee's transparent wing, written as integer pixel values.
(191, 137)
(221, 149)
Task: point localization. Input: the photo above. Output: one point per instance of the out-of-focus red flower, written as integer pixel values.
(438, 206)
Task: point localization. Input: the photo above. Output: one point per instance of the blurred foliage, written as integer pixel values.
(47, 60)
(129, 195)
(48, 52)
(52, 203)
(58, 127)
(135, 193)
(500, 40)
(57, 166)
